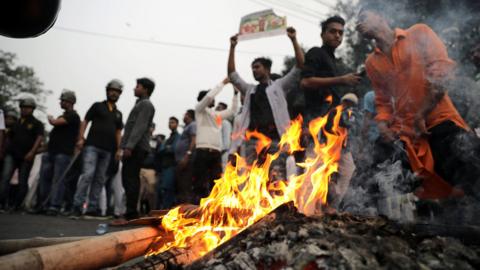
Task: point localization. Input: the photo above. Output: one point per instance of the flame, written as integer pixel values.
(244, 194)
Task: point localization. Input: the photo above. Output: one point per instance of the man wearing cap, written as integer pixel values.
(25, 137)
(98, 148)
(60, 151)
(135, 143)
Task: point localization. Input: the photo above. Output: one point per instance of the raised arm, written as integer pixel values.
(292, 34)
(210, 96)
(231, 54)
(232, 110)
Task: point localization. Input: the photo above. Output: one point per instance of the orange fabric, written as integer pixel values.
(400, 86)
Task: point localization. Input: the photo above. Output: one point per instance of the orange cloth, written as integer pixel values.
(400, 86)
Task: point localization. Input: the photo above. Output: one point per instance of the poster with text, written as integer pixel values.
(262, 24)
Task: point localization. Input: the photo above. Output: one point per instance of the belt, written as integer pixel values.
(210, 150)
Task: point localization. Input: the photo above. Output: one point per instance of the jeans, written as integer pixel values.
(131, 180)
(52, 180)
(95, 165)
(10, 164)
(166, 188)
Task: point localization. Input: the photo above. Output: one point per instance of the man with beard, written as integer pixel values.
(99, 147)
(409, 70)
(60, 151)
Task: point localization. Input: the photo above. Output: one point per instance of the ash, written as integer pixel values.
(343, 241)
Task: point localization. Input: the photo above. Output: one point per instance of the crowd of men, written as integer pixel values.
(408, 111)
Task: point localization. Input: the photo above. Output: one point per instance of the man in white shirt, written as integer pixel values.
(208, 163)
(265, 108)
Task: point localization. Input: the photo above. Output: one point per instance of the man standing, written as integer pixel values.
(320, 76)
(166, 185)
(102, 141)
(60, 151)
(25, 138)
(409, 70)
(208, 159)
(184, 154)
(265, 108)
(136, 143)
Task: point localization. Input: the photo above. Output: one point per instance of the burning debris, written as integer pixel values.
(245, 194)
(286, 239)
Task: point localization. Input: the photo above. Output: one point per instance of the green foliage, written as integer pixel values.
(17, 80)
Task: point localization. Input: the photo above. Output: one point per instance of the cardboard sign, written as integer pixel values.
(262, 24)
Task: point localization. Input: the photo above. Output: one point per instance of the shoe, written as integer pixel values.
(66, 212)
(52, 212)
(76, 213)
(36, 211)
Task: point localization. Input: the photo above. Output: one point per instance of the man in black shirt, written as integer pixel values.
(25, 137)
(60, 151)
(320, 75)
(320, 80)
(101, 144)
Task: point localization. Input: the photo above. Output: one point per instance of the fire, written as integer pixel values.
(244, 194)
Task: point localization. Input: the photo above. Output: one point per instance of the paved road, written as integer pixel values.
(23, 225)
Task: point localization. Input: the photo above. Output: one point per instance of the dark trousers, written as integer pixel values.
(10, 164)
(207, 168)
(183, 184)
(131, 180)
(456, 153)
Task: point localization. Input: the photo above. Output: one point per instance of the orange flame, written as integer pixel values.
(244, 194)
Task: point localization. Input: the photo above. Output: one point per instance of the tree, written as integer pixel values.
(15, 81)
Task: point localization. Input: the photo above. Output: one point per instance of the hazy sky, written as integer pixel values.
(94, 41)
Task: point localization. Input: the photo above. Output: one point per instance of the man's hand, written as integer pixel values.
(183, 163)
(127, 153)
(291, 33)
(226, 80)
(385, 132)
(29, 156)
(80, 144)
(351, 79)
(118, 155)
(234, 41)
(420, 126)
(50, 119)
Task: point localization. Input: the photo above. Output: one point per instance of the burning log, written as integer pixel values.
(92, 253)
(14, 245)
(181, 257)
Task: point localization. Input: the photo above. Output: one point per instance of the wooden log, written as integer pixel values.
(13, 245)
(92, 253)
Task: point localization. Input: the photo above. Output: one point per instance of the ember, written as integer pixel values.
(286, 239)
